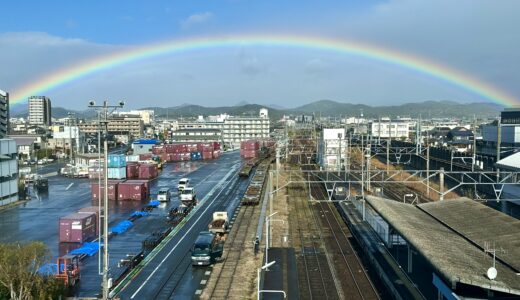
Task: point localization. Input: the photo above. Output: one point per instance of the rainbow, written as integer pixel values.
(366, 51)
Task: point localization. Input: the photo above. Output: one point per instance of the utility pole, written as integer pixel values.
(71, 149)
(105, 110)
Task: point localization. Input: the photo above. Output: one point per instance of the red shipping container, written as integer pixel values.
(158, 150)
(247, 153)
(92, 209)
(132, 190)
(207, 155)
(250, 145)
(132, 170)
(216, 154)
(66, 248)
(147, 171)
(146, 185)
(112, 190)
(145, 156)
(165, 157)
(216, 145)
(77, 228)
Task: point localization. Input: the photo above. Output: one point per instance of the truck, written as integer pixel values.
(206, 249)
(164, 195)
(188, 196)
(219, 224)
(183, 183)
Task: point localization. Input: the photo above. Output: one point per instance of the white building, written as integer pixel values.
(8, 172)
(147, 116)
(333, 149)
(40, 111)
(65, 133)
(237, 129)
(387, 128)
(4, 114)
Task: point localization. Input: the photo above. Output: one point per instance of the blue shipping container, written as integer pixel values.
(117, 173)
(116, 160)
(196, 156)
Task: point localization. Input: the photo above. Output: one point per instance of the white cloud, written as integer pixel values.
(196, 19)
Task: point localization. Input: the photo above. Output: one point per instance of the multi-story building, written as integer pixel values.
(509, 133)
(146, 115)
(387, 128)
(124, 127)
(4, 114)
(332, 150)
(237, 129)
(8, 172)
(40, 111)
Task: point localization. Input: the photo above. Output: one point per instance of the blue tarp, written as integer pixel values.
(139, 214)
(121, 227)
(154, 203)
(48, 269)
(145, 142)
(86, 249)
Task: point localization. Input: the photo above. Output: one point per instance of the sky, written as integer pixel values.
(478, 38)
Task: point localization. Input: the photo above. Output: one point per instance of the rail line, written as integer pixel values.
(355, 281)
(317, 282)
(224, 283)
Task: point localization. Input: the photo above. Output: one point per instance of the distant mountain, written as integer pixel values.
(426, 109)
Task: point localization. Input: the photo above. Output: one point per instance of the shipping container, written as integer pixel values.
(216, 146)
(146, 183)
(249, 145)
(77, 227)
(112, 190)
(132, 190)
(195, 155)
(248, 153)
(117, 173)
(132, 170)
(148, 171)
(157, 150)
(207, 155)
(95, 210)
(216, 154)
(143, 157)
(116, 160)
(132, 158)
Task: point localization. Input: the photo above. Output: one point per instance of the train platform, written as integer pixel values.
(281, 276)
(460, 240)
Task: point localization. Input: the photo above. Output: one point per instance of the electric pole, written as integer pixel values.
(105, 110)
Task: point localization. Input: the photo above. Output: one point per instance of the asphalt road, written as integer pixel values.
(169, 273)
(38, 219)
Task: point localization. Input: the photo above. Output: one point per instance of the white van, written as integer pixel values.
(163, 195)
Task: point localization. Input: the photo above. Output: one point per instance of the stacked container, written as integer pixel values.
(249, 148)
(147, 171)
(77, 227)
(132, 170)
(117, 166)
(90, 210)
(145, 157)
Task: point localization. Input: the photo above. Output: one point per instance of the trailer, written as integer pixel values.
(219, 224)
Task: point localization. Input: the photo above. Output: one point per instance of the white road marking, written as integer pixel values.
(203, 281)
(198, 292)
(181, 239)
(207, 273)
(70, 185)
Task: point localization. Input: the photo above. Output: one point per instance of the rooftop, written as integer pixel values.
(512, 162)
(452, 236)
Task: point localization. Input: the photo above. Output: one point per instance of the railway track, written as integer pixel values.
(354, 280)
(226, 281)
(315, 278)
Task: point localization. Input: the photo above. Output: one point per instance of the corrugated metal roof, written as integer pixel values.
(511, 162)
(451, 254)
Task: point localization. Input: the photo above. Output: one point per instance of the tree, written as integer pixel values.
(19, 277)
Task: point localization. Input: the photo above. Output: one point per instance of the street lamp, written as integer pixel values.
(266, 267)
(267, 221)
(104, 113)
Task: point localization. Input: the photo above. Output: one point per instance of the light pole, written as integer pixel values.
(267, 221)
(71, 149)
(104, 113)
(259, 291)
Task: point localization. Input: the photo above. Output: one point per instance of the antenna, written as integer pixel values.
(492, 271)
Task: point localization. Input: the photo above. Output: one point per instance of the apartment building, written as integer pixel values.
(388, 128)
(332, 149)
(124, 127)
(237, 129)
(8, 172)
(40, 111)
(4, 114)
(509, 134)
